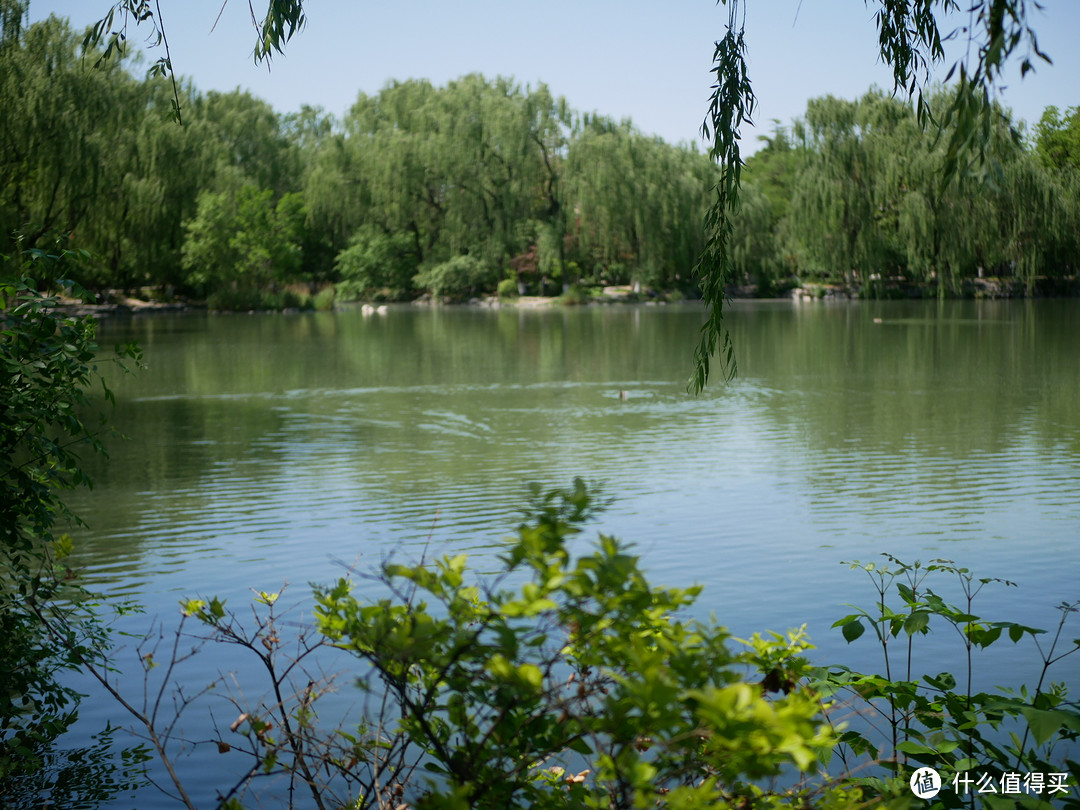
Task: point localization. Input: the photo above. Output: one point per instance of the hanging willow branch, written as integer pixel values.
(731, 104)
(283, 19)
(112, 29)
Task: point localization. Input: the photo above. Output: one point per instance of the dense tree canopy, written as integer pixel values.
(445, 190)
(452, 190)
(866, 206)
(1057, 140)
(911, 41)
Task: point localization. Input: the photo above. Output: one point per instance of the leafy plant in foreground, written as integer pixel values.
(569, 681)
(47, 369)
(938, 719)
(574, 682)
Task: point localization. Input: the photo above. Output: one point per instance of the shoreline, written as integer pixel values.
(970, 289)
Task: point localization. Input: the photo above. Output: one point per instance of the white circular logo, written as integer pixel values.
(925, 783)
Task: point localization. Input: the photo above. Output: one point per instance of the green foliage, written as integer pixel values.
(507, 288)
(249, 141)
(441, 195)
(865, 208)
(484, 168)
(936, 718)
(457, 278)
(241, 238)
(96, 153)
(754, 247)
(732, 103)
(56, 153)
(376, 265)
(47, 368)
(416, 175)
(227, 299)
(575, 295)
(638, 205)
(324, 299)
(566, 682)
(1057, 139)
(910, 40)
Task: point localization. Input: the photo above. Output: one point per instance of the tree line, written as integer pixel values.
(418, 188)
(484, 185)
(852, 193)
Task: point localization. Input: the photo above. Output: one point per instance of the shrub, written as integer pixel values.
(579, 687)
(508, 288)
(227, 299)
(457, 278)
(576, 295)
(934, 718)
(376, 261)
(324, 299)
(572, 682)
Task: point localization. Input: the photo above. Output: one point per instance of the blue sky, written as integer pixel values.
(648, 61)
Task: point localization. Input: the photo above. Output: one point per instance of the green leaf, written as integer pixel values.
(1044, 723)
(852, 630)
(580, 746)
(917, 622)
(217, 608)
(912, 747)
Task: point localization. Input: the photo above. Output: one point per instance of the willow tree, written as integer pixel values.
(910, 39)
(1057, 148)
(550, 119)
(137, 227)
(91, 158)
(867, 205)
(756, 251)
(57, 130)
(383, 173)
(471, 168)
(637, 203)
(1057, 140)
(847, 194)
(249, 141)
(490, 166)
(391, 153)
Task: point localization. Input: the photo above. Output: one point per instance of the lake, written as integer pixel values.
(270, 448)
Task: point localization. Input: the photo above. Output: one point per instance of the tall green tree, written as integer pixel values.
(847, 192)
(910, 41)
(868, 206)
(137, 228)
(241, 239)
(57, 157)
(249, 140)
(471, 168)
(1057, 139)
(376, 265)
(637, 203)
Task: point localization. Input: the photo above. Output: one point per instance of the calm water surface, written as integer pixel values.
(272, 448)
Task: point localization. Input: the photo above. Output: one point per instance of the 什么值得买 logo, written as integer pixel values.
(925, 783)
